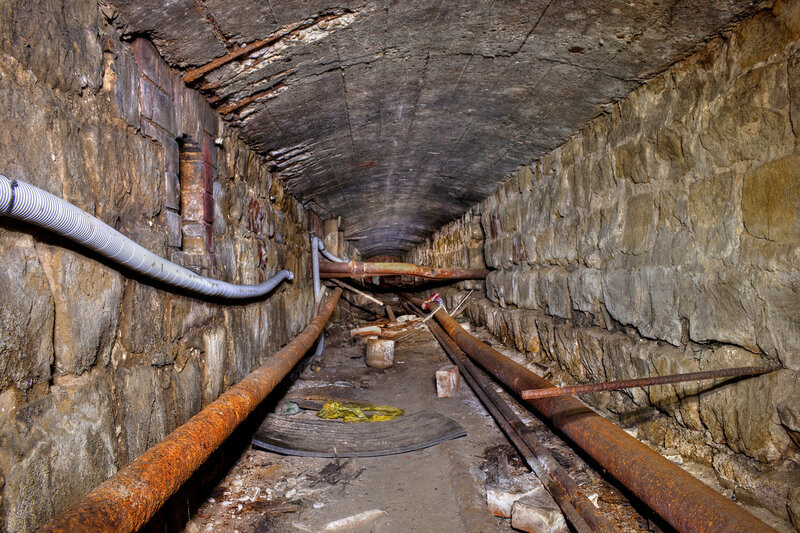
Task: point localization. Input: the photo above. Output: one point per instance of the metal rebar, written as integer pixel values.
(359, 269)
(682, 500)
(653, 380)
(356, 291)
(129, 498)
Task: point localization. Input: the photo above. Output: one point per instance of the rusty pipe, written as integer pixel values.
(685, 502)
(578, 510)
(129, 498)
(355, 269)
(653, 380)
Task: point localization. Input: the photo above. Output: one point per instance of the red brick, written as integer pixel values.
(208, 208)
(208, 177)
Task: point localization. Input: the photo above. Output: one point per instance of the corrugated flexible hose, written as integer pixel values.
(31, 204)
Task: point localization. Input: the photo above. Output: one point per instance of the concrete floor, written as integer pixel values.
(437, 488)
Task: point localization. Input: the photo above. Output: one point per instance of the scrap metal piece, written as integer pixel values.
(653, 380)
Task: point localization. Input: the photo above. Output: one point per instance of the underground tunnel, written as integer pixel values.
(318, 265)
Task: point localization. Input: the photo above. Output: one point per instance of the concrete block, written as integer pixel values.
(537, 513)
(448, 381)
(501, 500)
(380, 353)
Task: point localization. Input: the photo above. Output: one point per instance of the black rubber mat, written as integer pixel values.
(315, 437)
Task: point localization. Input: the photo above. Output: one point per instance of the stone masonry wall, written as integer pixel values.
(665, 238)
(96, 366)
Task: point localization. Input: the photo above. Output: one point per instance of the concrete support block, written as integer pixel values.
(538, 513)
(448, 381)
(501, 500)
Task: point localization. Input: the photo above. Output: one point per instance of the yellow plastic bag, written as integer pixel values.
(355, 412)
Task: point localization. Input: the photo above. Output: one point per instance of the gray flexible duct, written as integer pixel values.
(318, 246)
(25, 202)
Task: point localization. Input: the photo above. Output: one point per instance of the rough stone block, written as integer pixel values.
(554, 286)
(72, 59)
(724, 306)
(141, 324)
(751, 121)
(157, 106)
(448, 381)
(174, 232)
(743, 415)
(712, 214)
(538, 513)
(771, 200)
(779, 293)
(641, 216)
(26, 314)
(172, 190)
(215, 346)
(144, 421)
(126, 85)
(586, 293)
(152, 65)
(87, 295)
(188, 384)
(629, 162)
(55, 449)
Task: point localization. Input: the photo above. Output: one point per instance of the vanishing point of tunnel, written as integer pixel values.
(315, 265)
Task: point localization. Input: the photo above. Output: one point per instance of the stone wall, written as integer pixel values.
(96, 365)
(665, 238)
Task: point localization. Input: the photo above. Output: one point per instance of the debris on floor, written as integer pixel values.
(365, 331)
(537, 513)
(356, 520)
(290, 492)
(314, 437)
(380, 353)
(448, 381)
(356, 412)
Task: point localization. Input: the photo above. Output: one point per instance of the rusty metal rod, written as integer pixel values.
(577, 509)
(653, 380)
(129, 498)
(682, 500)
(356, 291)
(358, 269)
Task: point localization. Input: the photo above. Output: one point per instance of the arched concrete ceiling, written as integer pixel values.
(400, 115)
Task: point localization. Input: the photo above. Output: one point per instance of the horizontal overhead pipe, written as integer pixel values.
(682, 500)
(127, 500)
(357, 269)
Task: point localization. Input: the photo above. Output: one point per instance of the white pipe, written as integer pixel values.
(318, 246)
(25, 202)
